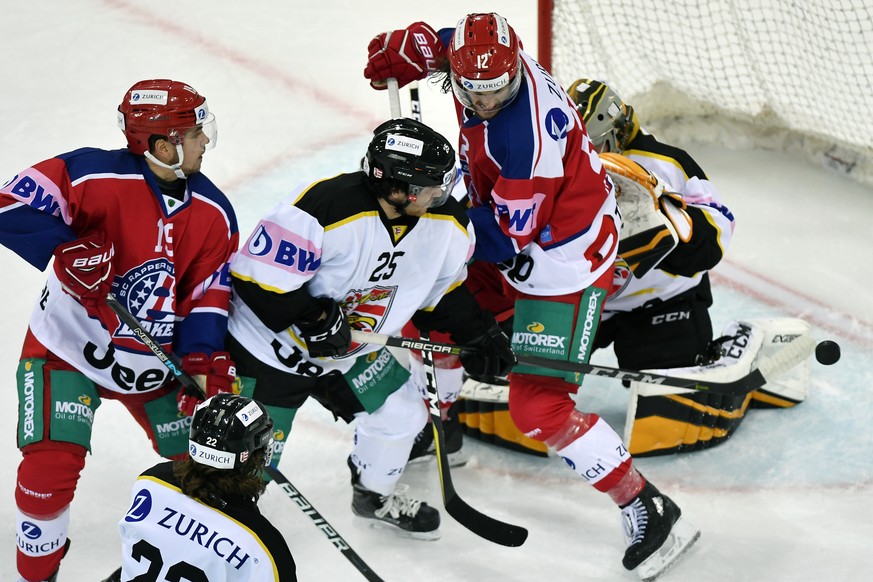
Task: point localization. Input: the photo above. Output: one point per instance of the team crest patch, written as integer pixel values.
(366, 309)
(148, 292)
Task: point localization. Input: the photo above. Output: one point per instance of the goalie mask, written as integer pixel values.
(611, 124)
(228, 429)
(485, 63)
(408, 156)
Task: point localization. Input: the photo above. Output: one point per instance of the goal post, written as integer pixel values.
(796, 76)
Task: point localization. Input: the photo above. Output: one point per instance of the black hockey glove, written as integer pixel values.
(330, 336)
(494, 356)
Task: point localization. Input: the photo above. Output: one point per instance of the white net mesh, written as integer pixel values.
(797, 75)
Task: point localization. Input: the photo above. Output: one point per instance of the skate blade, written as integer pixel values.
(456, 459)
(682, 537)
(426, 536)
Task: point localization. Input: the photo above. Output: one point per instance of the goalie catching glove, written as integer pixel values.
(215, 374)
(653, 220)
(408, 55)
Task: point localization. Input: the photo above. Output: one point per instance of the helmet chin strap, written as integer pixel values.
(177, 167)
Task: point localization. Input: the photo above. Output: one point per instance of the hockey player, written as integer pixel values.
(198, 519)
(370, 250)
(145, 224)
(660, 319)
(545, 212)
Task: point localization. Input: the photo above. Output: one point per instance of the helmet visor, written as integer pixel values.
(438, 195)
(488, 95)
(209, 128)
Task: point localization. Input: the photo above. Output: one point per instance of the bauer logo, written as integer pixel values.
(140, 507)
(407, 145)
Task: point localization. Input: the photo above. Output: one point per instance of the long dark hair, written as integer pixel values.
(213, 486)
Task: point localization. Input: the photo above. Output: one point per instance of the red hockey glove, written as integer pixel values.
(85, 271)
(215, 374)
(408, 55)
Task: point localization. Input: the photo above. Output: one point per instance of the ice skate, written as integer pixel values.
(655, 532)
(424, 447)
(410, 517)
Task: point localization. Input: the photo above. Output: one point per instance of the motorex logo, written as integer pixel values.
(140, 508)
(30, 530)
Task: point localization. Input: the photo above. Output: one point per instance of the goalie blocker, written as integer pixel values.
(663, 420)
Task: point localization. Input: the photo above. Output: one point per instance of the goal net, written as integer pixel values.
(796, 76)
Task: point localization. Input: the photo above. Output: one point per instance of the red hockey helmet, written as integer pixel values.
(163, 107)
(484, 58)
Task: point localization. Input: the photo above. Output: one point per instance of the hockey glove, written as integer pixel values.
(493, 357)
(408, 55)
(85, 271)
(215, 374)
(330, 335)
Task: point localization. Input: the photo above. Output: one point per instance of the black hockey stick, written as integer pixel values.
(174, 364)
(333, 537)
(477, 522)
(414, 101)
(785, 359)
(171, 361)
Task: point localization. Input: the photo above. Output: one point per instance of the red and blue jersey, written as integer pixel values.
(171, 260)
(543, 206)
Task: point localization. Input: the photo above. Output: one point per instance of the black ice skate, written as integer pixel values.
(655, 533)
(411, 517)
(424, 448)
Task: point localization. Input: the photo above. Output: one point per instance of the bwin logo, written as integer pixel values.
(260, 243)
(30, 530)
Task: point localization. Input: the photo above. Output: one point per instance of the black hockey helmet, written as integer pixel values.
(227, 429)
(407, 155)
(610, 122)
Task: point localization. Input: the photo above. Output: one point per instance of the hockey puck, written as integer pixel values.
(827, 352)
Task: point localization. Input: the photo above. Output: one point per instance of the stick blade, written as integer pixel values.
(484, 526)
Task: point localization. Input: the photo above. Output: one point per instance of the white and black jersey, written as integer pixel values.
(686, 266)
(332, 239)
(167, 535)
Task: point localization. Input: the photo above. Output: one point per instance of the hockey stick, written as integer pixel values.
(394, 97)
(337, 540)
(414, 101)
(782, 361)
(171, 361)
(174, 364)
(480, 524)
